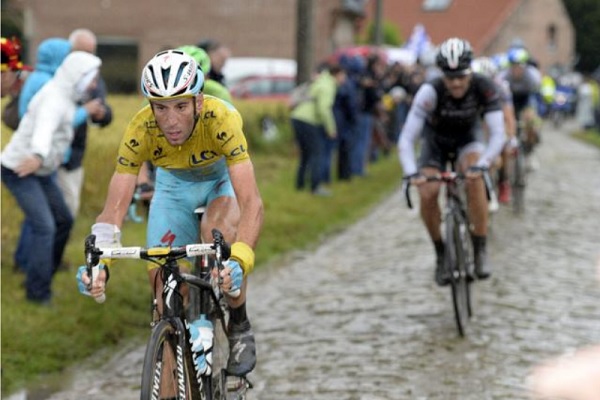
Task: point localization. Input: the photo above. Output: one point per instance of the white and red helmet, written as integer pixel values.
(171, 73)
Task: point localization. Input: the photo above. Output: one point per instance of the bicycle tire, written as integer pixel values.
(519, 182)
(166, 350)
(456, 262)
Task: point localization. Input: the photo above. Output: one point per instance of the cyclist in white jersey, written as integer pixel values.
(446, 114)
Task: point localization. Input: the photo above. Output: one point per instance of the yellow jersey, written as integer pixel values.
(217, 136)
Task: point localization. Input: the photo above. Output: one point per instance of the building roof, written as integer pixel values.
(478, 21)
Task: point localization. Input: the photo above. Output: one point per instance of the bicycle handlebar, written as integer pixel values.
(219, 248)
(449, 176)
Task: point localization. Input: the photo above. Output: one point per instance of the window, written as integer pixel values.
(119, 64)
(551, 34)
(436, 5)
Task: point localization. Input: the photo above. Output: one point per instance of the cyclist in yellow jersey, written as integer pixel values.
(200, 151)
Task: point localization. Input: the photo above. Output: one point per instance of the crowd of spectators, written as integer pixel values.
(42, 163)
(368, 107)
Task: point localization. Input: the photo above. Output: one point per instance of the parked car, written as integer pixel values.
(237, 68)
(260, 77)
(263, 87)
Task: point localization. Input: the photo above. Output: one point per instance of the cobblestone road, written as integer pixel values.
(360, 317)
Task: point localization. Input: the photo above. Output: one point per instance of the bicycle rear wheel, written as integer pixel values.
(456, 261)
(168, 370)
(519, 181)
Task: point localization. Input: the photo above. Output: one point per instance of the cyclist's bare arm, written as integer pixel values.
(120, 193)
(251, 207)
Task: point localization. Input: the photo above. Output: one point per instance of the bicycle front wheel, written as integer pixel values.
(168, 371)
(457, 263)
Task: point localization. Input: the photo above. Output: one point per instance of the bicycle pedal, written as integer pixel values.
(237, 387)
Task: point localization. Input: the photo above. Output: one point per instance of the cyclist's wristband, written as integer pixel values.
(243, 254)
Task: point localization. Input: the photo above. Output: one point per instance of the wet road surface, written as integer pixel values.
(359, 317)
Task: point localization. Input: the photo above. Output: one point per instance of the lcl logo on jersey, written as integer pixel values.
(132, 144)
(126, 163)
(209, 114)
(204, 156)
(237, 151)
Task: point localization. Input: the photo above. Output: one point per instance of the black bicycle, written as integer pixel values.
(458, 254)
(168, 369)
(518, 171)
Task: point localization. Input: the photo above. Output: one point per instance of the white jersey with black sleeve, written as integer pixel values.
(453, 122)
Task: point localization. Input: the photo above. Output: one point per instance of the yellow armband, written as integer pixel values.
(243, 254)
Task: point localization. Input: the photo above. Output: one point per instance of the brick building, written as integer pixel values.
(134, 30)
(543, 26)
(131, 31)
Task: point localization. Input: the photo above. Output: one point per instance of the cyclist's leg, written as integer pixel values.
(429, 205)
(477, 205)
(222, 212)
(476, 195)
(431, 162)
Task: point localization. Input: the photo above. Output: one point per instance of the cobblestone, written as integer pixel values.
(359, 317)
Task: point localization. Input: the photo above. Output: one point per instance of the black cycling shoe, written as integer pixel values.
(242, 350)
(483, 268)
(442, 278)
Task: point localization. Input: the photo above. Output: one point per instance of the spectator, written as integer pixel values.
(50, 55)
(332, 142)
(70, 173)
(345, 110)
(218, 54)
(33, 154)
(15, 74)
(371, 96)
(313, 122)
(11, 64)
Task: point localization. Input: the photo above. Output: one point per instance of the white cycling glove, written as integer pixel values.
(237, 278)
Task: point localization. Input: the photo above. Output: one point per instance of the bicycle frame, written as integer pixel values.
(173, 311)
(458, 255)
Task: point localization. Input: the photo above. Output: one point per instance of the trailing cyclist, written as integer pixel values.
(486, 66)
(197, 145)
(446, 114)
(524, 81)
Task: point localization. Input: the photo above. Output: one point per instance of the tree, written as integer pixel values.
(391, 34)
(585, 15)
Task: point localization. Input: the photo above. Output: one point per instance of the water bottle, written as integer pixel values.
(201, 339)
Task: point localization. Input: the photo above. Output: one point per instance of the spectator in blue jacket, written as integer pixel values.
(50, 54)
